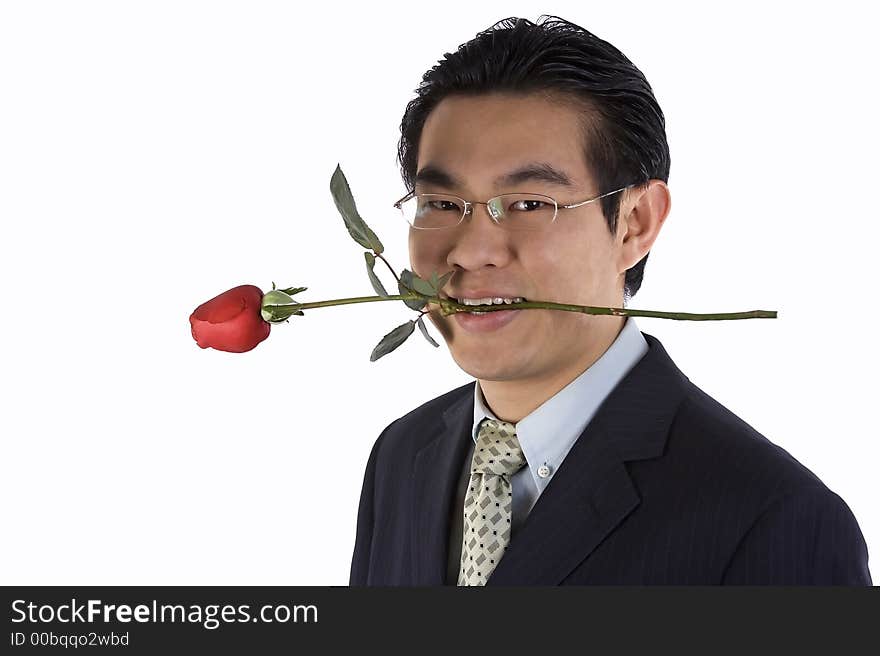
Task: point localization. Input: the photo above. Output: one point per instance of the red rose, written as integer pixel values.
(231, 321)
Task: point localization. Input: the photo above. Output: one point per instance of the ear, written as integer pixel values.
(643, 211)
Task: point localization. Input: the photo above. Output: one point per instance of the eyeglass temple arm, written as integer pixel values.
(397, 204)
(598, 197)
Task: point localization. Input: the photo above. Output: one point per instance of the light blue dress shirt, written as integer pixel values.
(547, 433)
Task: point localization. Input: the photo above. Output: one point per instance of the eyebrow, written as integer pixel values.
(531, 172)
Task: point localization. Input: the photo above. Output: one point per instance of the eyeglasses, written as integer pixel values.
(510, 211)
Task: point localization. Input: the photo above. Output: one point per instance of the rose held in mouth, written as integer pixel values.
(240, 318)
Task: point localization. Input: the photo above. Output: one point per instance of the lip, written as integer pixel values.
(484, 323)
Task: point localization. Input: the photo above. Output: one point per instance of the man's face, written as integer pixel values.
(574, 260)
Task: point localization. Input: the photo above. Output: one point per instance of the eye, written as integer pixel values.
(450, 205)
(532, 204)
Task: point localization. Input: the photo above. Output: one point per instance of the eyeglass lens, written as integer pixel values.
(511, 211)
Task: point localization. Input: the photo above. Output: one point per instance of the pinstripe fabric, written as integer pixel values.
(664, 486)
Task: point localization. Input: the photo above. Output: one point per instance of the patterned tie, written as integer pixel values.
(497, 457)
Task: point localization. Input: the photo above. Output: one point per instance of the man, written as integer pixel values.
(581, 454)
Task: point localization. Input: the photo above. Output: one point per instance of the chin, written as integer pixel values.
(486, 366)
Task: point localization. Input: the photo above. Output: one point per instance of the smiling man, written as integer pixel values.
(469, 145)
(537, 161)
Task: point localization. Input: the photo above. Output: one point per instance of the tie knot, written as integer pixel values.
(497, 450)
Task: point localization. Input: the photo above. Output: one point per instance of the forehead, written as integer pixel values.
(479, 138)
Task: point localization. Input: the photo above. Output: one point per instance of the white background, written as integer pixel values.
(155, 154)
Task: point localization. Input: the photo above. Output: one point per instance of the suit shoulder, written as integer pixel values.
(729, 448)
(748, 490)
(410, 428)
(437, 405)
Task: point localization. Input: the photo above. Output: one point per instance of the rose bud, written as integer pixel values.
(231, 321)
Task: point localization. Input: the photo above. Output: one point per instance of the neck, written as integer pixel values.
(512, 400)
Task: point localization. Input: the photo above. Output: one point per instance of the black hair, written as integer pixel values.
(623, 127)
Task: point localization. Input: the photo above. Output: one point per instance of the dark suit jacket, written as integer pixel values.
(664, 486)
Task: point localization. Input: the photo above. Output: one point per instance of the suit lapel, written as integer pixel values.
(591, 493)
(435, 473)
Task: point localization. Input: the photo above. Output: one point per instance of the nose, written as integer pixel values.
(479, 241)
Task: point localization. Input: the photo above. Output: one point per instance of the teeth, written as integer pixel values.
(497, 300)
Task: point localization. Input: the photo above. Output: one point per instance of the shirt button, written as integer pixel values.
(543, 471)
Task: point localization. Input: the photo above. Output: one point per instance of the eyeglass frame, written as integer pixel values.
(468, 205)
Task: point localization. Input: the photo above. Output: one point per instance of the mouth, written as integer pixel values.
(493, 317)
(491, 302)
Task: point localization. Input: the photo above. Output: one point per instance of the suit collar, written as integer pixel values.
(590, 494)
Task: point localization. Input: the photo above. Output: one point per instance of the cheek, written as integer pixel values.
(553, 266)
(565, 276)
(423, 253)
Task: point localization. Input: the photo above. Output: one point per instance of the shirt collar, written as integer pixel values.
(547, 433)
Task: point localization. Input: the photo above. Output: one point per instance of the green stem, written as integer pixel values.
(449, 306)
(379, 255)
